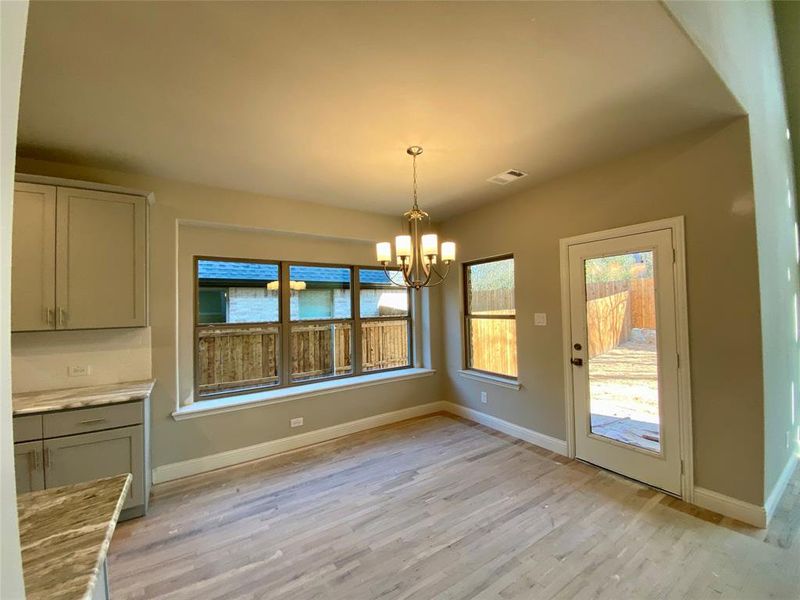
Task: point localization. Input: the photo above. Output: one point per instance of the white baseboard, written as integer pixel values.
(780, 486)
(752, 514)
(523, 433)
(239, 455)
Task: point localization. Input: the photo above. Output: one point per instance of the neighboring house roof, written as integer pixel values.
(251, 271)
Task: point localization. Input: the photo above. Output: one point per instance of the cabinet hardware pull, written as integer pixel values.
(37, 461)
(48, 314)
(62, 316)
(90, 421)
(48, 459)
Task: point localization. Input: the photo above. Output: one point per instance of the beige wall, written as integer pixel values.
(739, 40)
(13, 17)
(682, 177)
(787, 22)
(244, 223)
(40, 360)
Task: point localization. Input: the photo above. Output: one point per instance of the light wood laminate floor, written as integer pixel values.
(439, 507)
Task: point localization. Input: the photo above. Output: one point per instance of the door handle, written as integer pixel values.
(578, 362)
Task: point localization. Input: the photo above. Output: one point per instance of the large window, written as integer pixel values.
(250, 314)
(490, 317)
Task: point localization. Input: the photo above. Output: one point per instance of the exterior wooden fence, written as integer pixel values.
(493, 345)
(241, 358)
(236, 358)
(321, 349)
(613, 308)
(384, 344)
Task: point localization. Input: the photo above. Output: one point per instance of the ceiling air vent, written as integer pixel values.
(506, 177)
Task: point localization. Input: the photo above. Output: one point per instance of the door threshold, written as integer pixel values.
(652, 487)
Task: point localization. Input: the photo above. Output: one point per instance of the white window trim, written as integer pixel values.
(498, 380)
(216, 406)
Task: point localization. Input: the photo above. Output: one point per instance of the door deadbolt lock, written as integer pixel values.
(577, 347)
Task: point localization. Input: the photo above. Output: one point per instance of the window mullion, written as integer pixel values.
(355, 312)
(285, 314)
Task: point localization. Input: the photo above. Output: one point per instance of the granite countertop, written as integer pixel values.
(27, 403)
(65, 533)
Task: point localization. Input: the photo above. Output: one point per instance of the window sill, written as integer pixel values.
(505, 382)
(204, 408)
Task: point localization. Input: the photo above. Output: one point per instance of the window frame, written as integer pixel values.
(467, 317)
(285, 323)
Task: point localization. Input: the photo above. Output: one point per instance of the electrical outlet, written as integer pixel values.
(79, 370)
(296, 422)
(484, 398)
(540, 319)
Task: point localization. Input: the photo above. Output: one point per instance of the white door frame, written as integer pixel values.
(676, 225)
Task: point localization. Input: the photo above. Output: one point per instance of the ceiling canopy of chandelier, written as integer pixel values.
(417, 253)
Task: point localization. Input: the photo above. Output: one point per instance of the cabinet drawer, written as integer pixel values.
(92, 419)
(27, 428)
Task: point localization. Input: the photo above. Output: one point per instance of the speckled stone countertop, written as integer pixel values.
(27, 403)
(65, 533)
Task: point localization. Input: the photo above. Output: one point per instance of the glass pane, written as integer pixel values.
(319, 293)
(236, 359)
(493, 345)
(384, 344)
(623, 357)
(321, 350)
(237, 292)
(490, 288)
(379, 296)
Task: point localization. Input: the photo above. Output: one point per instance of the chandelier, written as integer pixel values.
(417, 253)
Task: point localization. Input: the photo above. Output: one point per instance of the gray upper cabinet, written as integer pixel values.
(80, 259)
(33, 258)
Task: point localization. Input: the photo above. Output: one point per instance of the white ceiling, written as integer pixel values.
(318, 101)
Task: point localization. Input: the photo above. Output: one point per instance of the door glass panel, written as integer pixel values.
(623, 355)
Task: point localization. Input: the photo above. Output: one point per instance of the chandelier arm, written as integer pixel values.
(428, 274)
(391, 280)
(446, 270)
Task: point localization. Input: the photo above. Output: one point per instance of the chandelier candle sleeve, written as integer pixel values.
(448, 251)
(402, 245)
(384, 251)
(430, 244)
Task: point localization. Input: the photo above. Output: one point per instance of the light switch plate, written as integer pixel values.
(296, 422)
(540, 319)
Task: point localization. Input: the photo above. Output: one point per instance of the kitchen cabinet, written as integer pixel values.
(33, 258)
(88, 456)
(84, 444)
(79, 259)
(29, 466)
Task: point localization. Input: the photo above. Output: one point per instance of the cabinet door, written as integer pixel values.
(28, 468)
(33, 258)
(88, 456)
(101, 260)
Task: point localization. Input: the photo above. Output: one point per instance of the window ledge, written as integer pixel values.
(498, 380)
(230, 403)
